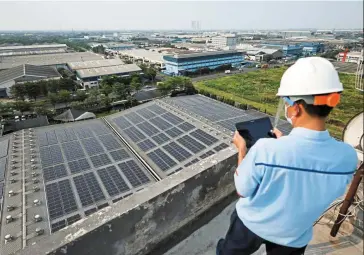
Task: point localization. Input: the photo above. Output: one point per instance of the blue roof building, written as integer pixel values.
(179, 64)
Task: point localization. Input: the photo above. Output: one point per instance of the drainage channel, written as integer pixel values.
(147, 166)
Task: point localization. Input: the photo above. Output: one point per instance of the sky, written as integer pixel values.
(178, 15)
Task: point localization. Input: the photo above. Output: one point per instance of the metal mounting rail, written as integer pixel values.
(147, 166)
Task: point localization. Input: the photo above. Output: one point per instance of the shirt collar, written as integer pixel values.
(310, 134)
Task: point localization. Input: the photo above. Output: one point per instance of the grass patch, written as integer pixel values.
(106, 113)
(259, 89)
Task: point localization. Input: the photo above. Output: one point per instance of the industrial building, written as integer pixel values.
(181, 63)
(65, 180)
(224, 42)
(74, 66)
(263, 54)
(90, 77)
(305, 48)
(287, 49)
(32, 49)
(54, 60)
(152, 57)
(351, 57)
(24, 73)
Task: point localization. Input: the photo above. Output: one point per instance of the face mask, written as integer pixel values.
(286, 114)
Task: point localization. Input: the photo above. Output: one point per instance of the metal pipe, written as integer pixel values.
(349, 198)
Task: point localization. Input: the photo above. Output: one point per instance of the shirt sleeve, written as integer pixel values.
(248, 176)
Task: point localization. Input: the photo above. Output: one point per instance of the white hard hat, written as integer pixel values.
(310, 76)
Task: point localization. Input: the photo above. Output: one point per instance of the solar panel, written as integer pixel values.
(177, 151)
(73, 219)
(60, 199)
(191, 144)
(192, 162)
(148, 128)
(79, 165)
(99, 128)
(160, 123)
(207, 154)
(203, 137)
(174, 132)
(92, 146)
(119, 155)
(134, 134)
(56, 154)
(160, 138)
(220, 147)
(83, 132)
(61, 135)
(146, 145)
(146, 113)
(88, 189)
(133, 173)
(100, 160)
(109, 142)
(122, 122)
(73, 150)
(51, 137)
(58, 225)
(157, 109)
(112, 181)
(70, 134)
(185, 126)
(90, 211)
(51, 155)
(171, 118)
(42, 139)
(161, 159)
(54, 172)
(134, 117)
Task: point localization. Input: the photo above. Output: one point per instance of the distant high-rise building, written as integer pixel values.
(196, 25)
(226, 41)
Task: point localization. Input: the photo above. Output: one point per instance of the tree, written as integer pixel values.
(33, 90)
(64, 96)
(151, 73)
(120, 90)
(43, 87)
(18, 91)
(67, 84)
(53, 86)
(5, 108)
(99, 49)
(106, 89)
(135, 84)
(22, 106)
(53, 99)
(81, 95)
(165, 88)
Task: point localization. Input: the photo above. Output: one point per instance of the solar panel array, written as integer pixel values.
(219, 113)
(85, 167)
(165, 138)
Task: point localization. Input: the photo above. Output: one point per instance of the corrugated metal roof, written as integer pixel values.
(28, 47)
(109, 70)
(94, 64)
(202, 54)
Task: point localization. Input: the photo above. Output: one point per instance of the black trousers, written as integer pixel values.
(240, 240)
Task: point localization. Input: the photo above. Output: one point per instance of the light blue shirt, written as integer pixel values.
(287, 183)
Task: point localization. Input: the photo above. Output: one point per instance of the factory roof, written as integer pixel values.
(203, 54)
(108, 70)
(94, 64)
(150, 55)
(28, 70)
(47, 59)
(35, 46)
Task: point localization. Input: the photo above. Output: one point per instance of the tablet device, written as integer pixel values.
(252, 130)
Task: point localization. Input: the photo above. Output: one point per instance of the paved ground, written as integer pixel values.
(203, 241)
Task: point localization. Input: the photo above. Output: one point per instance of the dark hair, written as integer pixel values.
(320, 111)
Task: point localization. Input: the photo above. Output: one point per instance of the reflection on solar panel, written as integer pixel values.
(160, 123)
(146, 113)
(112, 181)
(146, 145)
(157, 109)
(221, 147)
(109, 142)
(79, 165)
(207, 154)
(100, 129)
(119, 155)
(171, 118)
(60, 199)
(83, 132)
(54, 172)
(73, 150)
(122, 122)
(51, 137)
(191, 144)
(134, 117)
(185, 126)
(100, 160)
(203, 137)
(161, 159)
(133, 173)
(147, 128)
(177, 151)
(88, 189)
(134, 134)
(174, 132)
(92, 146)
(160, 138)
(51, 155)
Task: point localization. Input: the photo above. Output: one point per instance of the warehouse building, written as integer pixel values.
(24, 73)
(54, 60)
(263, 54)
(287, 49)
(180, 63)
(32, 49)
(351, 57)
(153, 57)
(74, 66)
(224, 42)
(91, 77)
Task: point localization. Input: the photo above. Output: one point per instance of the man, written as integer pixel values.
(285, 184)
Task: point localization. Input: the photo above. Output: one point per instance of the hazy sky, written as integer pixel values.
(103, 15)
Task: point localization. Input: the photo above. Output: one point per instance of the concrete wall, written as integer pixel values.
(137, 224)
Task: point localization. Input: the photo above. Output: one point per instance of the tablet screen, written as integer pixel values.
(252, 130)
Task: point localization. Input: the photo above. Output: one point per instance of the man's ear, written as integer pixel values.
(297, 110)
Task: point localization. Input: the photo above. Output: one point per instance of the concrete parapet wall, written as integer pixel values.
(138, 223)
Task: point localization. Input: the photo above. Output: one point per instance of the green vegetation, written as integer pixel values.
(258, 89)
(177, 85)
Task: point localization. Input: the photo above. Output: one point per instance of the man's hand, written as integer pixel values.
(239, 142)
(278, 133)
